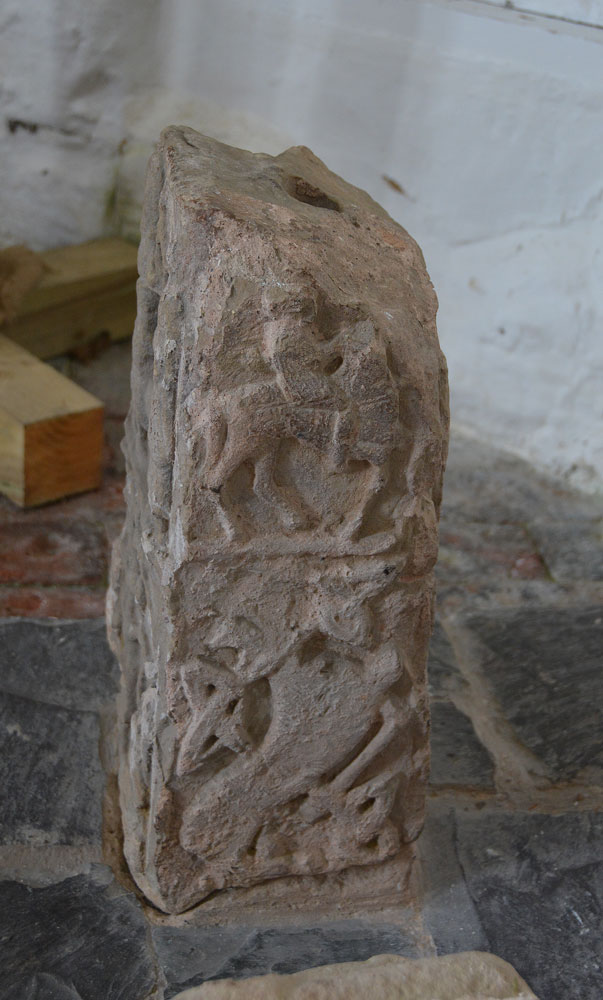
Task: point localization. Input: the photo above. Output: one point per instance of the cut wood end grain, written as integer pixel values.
(51, 431)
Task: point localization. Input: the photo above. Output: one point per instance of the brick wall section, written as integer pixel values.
(54, 559)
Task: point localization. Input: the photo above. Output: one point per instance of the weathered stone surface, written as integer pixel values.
(84, 939)
(544, 666)
(457, 756)
(189, 956)
(271, 595)
(55, 679)
(67, 664)
(50, 773)
(537, 885)
(469, 976)
(442, 669)
(449, 912)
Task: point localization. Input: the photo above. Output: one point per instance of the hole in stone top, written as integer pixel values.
(302, 190)
(231, 706)
(333, 365)
(209, 743)
(366, 805)
(373, 844)
(210, 689)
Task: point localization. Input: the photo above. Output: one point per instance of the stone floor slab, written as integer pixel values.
(496, 487)
(537, 885)
(50, 774)
(67, 664)
(443, 672)
(84, 939)
(449, 913)
(193, 955)
(56, 680)
(545, 668)
(457, 756)
(472, 551)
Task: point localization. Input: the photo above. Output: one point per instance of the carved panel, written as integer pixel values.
(271, 593)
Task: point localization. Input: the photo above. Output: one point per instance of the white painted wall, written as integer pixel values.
(488, 118)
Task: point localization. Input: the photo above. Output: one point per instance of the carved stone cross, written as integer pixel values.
(271, 593)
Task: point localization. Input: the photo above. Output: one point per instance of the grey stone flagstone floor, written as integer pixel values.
(512, 851)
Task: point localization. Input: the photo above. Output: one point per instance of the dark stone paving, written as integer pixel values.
(50, 774)
(546, 670)
(189, 956)
(68, 664)
(537, 886)
(54, 679)
(449, 912)
(457, 756)
(527, 887)
(82, 939)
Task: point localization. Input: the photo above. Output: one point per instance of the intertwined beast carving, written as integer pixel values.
(329, 386)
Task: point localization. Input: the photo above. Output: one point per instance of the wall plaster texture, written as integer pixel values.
(476, 125)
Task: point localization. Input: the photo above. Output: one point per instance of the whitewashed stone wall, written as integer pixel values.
(489, 119)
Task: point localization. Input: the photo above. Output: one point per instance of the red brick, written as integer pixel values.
(52, 551)
(477, 552)
(53, 602)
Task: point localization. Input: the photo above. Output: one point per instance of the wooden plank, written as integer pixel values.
(20, 270)
(86, 290)
(51, 431)
(71, 325)
(81, 270)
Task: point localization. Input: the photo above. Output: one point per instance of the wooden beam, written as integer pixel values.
(51, 431)
(86, 290)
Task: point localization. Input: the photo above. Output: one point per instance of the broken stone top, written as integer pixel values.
(311, 215)
(201, 167)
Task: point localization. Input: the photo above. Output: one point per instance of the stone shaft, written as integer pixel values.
(271, 592)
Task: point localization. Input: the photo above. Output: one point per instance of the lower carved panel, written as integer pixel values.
(290, 736)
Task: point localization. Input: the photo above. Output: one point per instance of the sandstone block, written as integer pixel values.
(472, 975)
(271, 593)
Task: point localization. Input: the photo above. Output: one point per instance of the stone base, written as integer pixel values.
(357, 891)
(471, 975)
(392, 885)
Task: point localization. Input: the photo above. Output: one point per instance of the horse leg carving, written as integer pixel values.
(350, 529)
(293, 512)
